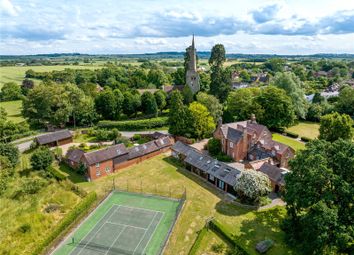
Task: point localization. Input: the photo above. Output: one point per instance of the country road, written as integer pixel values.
(23, 146)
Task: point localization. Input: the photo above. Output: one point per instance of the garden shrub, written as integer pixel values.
(196, 245)
(41, 158)
(214, 146)
(291, 134)
(56, 174)
(306, 139)
(24, 228)
(135, 124)
(218, 247)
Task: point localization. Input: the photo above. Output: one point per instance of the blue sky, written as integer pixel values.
(139, 26)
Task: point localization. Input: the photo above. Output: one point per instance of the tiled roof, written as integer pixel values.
(53, 137)
(163, 142)
(234, 135)
(142, 149)
(75, 155)
(105, 154)
(218, 169)
(274, 173)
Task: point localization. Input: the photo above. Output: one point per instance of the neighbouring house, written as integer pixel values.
(320, 74)
(219, 174)
(55, 138)
(275, 174)
(112, 159)
(248, 140)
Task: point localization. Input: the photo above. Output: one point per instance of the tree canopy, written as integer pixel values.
(212, 104)
(334, 126)
(202, 122)
(319, 194)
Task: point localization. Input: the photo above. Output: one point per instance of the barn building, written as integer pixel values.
(55, 138)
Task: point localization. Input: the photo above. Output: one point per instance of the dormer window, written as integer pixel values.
(231, 144)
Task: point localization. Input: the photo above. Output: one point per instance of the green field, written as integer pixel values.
(296, 145)
(125, 223)
(13, 109)
(307, 129)
(17, 73)
(164, 175)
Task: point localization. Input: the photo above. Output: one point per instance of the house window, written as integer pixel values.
(108, 169)
(211, 177)
(98, 172)
(221, 184)
(233, 155)
(231, 145)
(97, 164)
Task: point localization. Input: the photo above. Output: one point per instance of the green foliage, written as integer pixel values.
(252, 185)
(212, 104)
(160, 97)
(275, 64)
(106, 134)
(135, 124)
(41, 158)
(291, 134)
(31, 186)
(179, 77)
(131, 103)
(56, 174)
(109, 103)
(157, 77)
(293, 87)
(315, 112)
(202, 122)
(306, 139)
(11, 152)
(10, 91)
(241, 104)
(74, 215)
(148, 104)
(214, 146)
(179, 118)
(24, 228)
(218, 247)
(345, 102)
(335, 126)
(196, 245)
(187, 95)
(278, 109)
(319, 198)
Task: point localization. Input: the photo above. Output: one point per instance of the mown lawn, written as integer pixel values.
(163, 175)
(13, 109)
(23, 220)
(207, 243)
(307, 129)
(296, 145)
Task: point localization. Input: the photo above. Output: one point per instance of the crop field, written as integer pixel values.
(13, 109)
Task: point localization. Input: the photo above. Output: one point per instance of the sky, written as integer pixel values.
(147, 26)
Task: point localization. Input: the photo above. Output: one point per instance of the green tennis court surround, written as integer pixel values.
(124, 223)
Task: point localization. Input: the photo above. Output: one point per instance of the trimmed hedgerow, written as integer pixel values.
(58, 175)
(129, 125)
(291, 134)
(217, 227)
(64, 224)
(196, 245)
(306, 139)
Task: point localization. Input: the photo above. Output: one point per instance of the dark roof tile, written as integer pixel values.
(53, 137)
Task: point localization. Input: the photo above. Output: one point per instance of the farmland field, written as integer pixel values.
(203, 202)
(13, 109)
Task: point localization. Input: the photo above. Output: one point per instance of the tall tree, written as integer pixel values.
(203, 122)
(11, 152)
(148, 104)
(335, 126)
(132, 103)
(106, 104)
(345, 102)
(160, 97)
(212, 104)
(293, 87)
(179, 118)
(220, 79)
(319, 193)
(277, 106)
(10, 91)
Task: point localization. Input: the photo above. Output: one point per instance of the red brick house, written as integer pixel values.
(55, 138)
(114, 158)
(276, 176)
(248, 140)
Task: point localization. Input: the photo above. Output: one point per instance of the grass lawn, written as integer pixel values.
(296, 145)
(24, 222)
(163, 174)
(13, 109)
(306, 128)
(17, 73)
(210, 239)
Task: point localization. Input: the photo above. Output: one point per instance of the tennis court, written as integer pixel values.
(125, 223)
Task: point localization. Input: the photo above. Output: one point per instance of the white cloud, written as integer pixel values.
(8, 8)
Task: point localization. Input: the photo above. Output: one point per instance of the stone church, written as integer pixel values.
(192, 76)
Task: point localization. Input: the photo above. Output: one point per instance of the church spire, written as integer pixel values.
(193, 57)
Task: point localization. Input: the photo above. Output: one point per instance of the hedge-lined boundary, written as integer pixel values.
(132, 125)
(291, 134)
(306, 139)
(64, 225)
(57, 174)
(198, 240)
(217, 227)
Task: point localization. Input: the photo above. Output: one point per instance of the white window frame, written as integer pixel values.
(98, 172)
(98, 164)
(108, 169)
(231, 144)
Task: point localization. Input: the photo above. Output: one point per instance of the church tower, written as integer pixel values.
(192, 76)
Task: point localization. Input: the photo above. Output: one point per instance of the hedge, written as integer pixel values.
(198, 241)
(63, 225)
(217, 227)
(58, 175)
(306, 139)
(132, 125)
(291, 134)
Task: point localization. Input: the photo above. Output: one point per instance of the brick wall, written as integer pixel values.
(93, 170)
